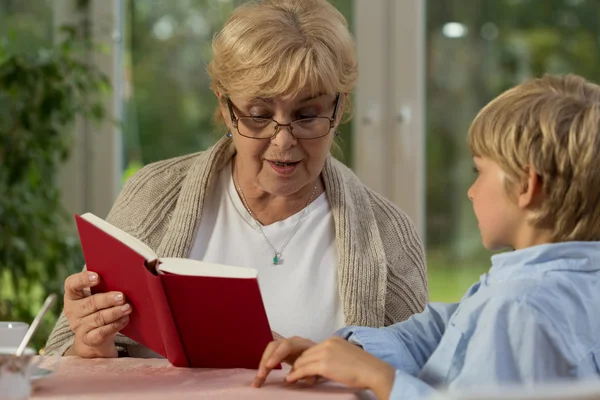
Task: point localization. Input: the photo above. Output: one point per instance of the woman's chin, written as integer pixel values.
(279, 186)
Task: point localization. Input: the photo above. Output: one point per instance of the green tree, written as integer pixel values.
(41, 93)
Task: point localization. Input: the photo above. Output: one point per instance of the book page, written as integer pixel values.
(132, 242)
(182, 266)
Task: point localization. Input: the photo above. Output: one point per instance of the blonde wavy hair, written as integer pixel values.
(279, 48)
(550, 125)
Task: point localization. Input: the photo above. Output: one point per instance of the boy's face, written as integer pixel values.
(498, 216)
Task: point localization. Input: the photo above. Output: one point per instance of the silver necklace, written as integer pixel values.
(276, 254)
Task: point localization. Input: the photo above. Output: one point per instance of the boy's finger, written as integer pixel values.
(263, 370)
(308, 370)
(311, 380)
(280, 353)
(308, 359)
(267, 354)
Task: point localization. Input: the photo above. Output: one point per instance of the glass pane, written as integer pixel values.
(168, 104)
(476, 49)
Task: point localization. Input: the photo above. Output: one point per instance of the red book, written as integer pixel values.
(193, 313)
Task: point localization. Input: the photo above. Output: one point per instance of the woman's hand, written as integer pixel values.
(278, 351)
(95, 319)
(343, 362)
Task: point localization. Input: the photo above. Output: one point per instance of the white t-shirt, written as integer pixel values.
(300, 294)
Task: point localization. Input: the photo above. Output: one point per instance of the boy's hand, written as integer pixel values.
(343, 362)
(278, 351)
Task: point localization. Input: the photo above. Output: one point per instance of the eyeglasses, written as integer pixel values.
(268, 128)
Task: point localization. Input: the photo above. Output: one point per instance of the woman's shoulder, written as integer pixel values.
(161, 175)
(149, 193)
(166, 175)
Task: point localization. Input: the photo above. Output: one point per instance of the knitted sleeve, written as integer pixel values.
(406, 289)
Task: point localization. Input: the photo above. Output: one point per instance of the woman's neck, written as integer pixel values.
(268, 208)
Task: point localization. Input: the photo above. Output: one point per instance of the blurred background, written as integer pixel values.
(141, 95)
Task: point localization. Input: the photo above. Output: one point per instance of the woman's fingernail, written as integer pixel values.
(125, 319)
(125, 307)
(92, 277)
(119, 296)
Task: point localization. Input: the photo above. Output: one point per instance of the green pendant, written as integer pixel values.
(275, 259)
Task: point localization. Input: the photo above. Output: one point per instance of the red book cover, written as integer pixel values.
(193, 321)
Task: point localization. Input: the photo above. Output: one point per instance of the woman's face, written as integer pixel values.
(282, 165)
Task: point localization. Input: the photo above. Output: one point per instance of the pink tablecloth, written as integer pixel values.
(130, 378)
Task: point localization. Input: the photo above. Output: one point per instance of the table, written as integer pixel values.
(130, 378)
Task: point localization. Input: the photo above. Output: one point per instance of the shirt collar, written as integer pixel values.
(573, 256)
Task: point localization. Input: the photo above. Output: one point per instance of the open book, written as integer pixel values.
(196, 314)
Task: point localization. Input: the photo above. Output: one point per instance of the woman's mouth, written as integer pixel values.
(284, 167)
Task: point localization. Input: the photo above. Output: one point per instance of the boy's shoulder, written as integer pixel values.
(561, 301)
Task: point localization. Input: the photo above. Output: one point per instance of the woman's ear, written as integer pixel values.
(222, 113)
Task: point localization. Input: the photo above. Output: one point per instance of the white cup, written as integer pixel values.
(11, 333)
(15, 373)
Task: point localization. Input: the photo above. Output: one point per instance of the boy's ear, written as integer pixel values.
(530, 189)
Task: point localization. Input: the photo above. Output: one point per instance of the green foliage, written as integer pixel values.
(41, 94)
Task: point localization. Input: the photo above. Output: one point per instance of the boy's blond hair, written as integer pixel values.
(273, 48)
(551, 125)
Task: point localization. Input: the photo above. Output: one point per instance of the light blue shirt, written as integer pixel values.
(534, 317)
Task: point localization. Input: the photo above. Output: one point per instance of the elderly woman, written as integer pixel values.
(268, 195)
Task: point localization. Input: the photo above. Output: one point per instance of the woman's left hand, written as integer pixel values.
(343, 362)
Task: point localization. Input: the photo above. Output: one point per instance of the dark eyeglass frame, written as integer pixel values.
(235, 120)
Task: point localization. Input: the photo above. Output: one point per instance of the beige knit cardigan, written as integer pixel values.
(381, 263)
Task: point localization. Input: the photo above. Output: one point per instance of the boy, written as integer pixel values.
(534, 317)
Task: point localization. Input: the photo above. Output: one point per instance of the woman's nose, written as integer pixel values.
(283, 137)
